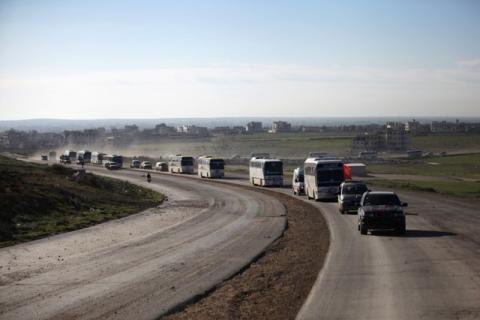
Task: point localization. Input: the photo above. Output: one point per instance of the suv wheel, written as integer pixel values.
(363, 228)
(401, 229)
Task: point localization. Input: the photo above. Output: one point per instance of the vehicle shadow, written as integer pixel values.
(415, 233)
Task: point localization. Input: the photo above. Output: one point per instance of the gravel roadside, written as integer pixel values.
(277, 284)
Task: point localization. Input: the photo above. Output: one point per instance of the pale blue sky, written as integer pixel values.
(239, 58)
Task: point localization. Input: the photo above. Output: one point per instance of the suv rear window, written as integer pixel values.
(381, 199)
(357, 188)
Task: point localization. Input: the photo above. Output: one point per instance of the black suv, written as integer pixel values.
(349, 195)
(381, 210)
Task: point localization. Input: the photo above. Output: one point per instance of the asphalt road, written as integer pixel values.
(141, 266)
(433, 272)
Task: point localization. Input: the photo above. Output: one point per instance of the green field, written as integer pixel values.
(461, 166)
(447, 142)
(37, 201)
(284, 145)
(454, 188)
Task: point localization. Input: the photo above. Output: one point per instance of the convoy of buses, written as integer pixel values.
(319, 178)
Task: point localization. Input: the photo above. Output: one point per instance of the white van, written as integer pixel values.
(298, 181)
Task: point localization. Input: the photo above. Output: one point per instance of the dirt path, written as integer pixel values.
(276, 286)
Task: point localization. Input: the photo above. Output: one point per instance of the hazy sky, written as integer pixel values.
(142, 59)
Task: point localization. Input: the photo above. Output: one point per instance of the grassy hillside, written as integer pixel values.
(38, 200)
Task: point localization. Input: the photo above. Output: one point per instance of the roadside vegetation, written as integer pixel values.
(447, 142)
(454, 188)
(37, 201)
(285, 145)
(291, 145)
(459, 166)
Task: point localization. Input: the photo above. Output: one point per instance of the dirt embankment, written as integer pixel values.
(277, 284)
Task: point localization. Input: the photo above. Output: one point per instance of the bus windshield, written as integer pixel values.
(217, 164)
(357, 188)
(329, 177)
(273, 168)
(187, 161)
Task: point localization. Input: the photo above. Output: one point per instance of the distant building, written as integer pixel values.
(281, 126)
(369, 142)
(193, 130)
(131, 128)
(229, 130)
(472, 127)
(396, 137)
(163, 130)
(238, 130)
(312, 129)
(222, 130)
(254, 126)
(447, 127)
(4, 142)
(415, 127)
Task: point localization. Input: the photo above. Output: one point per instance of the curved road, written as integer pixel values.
(433, 272)
(141, 266)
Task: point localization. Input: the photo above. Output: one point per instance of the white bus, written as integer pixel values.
(209, 167)
(180, 164)
(323, 177)
(72, 155)
(84, 155)
(266, 172)
(97, 157)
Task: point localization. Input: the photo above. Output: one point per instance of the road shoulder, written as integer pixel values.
(277, 284)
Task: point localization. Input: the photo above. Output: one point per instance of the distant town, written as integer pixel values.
(390, 136)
